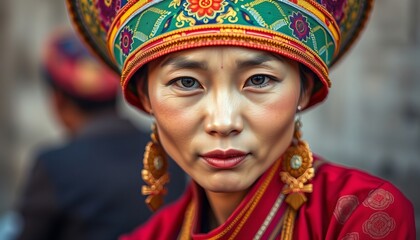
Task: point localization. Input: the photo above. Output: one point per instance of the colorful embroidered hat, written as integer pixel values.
(129, 34)
(70, 67)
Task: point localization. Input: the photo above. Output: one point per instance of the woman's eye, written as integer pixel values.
(258, 81)
(186, 83)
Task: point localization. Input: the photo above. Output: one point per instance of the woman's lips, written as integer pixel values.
(224, 159)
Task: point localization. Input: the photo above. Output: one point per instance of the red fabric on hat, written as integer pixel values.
(74, 70)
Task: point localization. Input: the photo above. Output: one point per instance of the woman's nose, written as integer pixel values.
(224, 116)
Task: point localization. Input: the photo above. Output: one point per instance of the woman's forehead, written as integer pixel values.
(199, 57)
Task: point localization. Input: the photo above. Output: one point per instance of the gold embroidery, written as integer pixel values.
(278, 43)
(187, 226)
(243, 216)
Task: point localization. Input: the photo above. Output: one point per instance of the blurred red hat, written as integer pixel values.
(70, 67)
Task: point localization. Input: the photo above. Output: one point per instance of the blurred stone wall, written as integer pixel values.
(371, 119)
(6, 129)
(24, 118)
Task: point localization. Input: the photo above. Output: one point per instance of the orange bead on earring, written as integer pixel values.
(155, 173)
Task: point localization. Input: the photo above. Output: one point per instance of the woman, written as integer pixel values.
(225, 81)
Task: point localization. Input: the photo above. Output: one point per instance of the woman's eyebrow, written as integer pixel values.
(180, 62)
(258, 59)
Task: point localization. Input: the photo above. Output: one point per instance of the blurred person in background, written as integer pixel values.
(88, 188)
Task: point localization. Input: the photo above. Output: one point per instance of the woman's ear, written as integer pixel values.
(307, 88)
(142, 91)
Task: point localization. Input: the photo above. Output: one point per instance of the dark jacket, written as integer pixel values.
(90, 188)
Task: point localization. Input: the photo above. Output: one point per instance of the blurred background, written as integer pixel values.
(370, 121)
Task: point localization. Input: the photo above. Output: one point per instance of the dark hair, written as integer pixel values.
(86, 105)
(304, 72)
(140, 75)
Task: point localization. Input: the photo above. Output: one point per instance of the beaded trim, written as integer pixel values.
(134, 12)
(228, 34)
(270, 216)
(226, 37)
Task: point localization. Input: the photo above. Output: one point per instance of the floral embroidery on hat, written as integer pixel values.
(300, 26)
(204, 10)
(379, 225)
(345, 207)
(379, 199)
(126, 40)
(107, 10)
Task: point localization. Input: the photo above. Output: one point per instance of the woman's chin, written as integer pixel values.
(225, 184)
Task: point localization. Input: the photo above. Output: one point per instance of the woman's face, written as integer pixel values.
(224, 114)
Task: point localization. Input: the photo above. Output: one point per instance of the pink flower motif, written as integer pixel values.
(126, 40)
(379, 199)
(379, 225)
(300, 26)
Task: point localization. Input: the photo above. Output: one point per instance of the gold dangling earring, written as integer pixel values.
(155, 173)
(297, 170)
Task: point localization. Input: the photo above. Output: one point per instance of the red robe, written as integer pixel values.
(345, 204)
